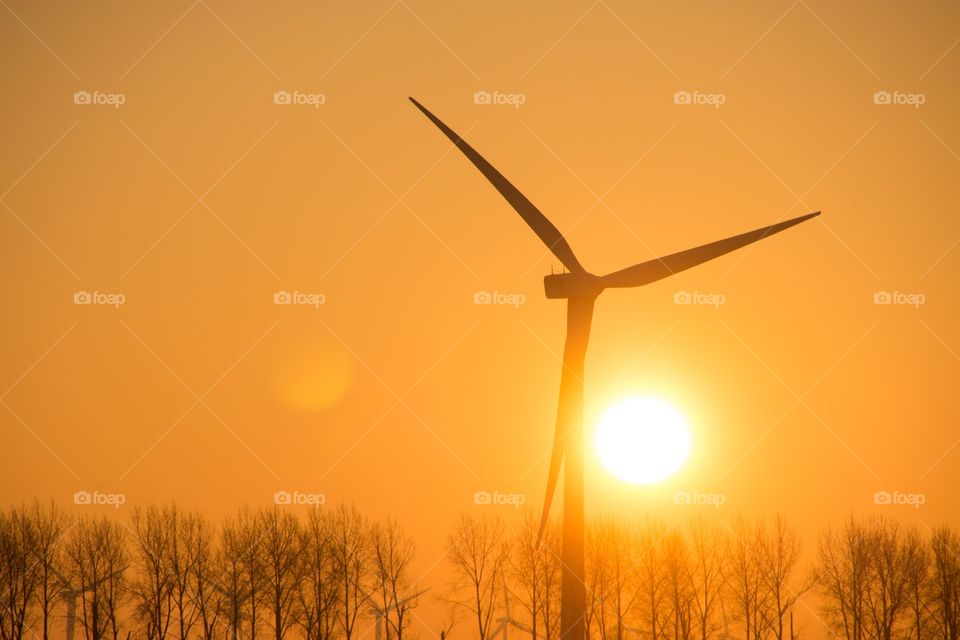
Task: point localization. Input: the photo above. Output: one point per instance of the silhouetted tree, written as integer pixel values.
(845, 574)
(233, 577)
(706, 566)
(317, 590)
(920, 593)
(616, 579)
(184, 530)
(351, 552)
(533, 567)
(253, 564)
(677, 563)
(780, 549)
(313, 574)
(945, 587)
(98, 560)
(478, 555)
(392, 552)
(652, 581)
(204, 584)
(745, 583)
(153, 588)
(49, 526)
(19, 572)
(892, 552)
(282, 543)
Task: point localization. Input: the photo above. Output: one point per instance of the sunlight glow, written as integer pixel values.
(642, 440)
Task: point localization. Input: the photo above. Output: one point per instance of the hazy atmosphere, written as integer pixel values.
(245, 276)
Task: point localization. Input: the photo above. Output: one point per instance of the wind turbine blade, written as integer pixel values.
(544, 229)
(556, 457)
(659, 268)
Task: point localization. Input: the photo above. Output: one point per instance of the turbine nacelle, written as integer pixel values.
(571, 285)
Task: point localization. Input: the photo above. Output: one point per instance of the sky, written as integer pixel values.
(183, 166)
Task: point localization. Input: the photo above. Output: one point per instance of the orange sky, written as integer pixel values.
(198, 198)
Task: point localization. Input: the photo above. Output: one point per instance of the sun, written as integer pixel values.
(642, 440)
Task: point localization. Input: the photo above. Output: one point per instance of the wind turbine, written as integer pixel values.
(69, 595)
(580, 288)
(380, 613)
(507, 620)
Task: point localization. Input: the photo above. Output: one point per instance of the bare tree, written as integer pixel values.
(392, 552)
(252, 563)
(97, 557)
(780, 552)
(282, 544)
(153, 589)
(745, 579)
(184, 530)
(892, 551)
(49, 526)
(617, 585)
(945, 582)
(117, 561)
(844, 575)
(919, 592)
(677, 563)
(652, 581)
(206, 593)
(595, 579)
(317, 591)
(478, 556)
(533, 567)
(706, 563)
(351, 550)
(19, 574)
(233, 578)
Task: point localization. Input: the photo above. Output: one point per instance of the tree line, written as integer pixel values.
(165, 573)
